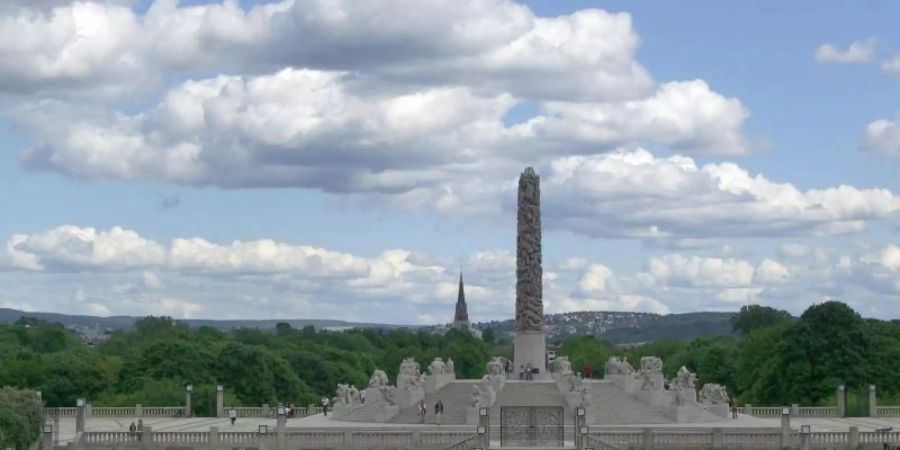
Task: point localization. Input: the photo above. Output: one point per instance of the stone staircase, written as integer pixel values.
(612, 406)
(456, 396)
(361, 413)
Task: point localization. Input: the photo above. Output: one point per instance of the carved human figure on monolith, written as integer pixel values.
(529, 288)
(530, 342)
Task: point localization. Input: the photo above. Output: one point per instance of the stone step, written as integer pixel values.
(612, 406)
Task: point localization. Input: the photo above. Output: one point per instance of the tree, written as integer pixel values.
(827, 346)
(586, 350)
(488, 335)
(757, 374)
(21, 418)
(754, 317)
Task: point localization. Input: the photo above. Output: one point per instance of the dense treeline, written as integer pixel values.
(776, 359)
(21, 417)
(152, 364)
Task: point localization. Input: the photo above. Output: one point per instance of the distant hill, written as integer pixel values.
(127, 322)
(626, 327)
(615, 327)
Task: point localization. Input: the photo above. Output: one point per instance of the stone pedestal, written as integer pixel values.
(531, 348)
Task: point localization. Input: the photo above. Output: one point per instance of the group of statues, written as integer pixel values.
(496, 366)
(650, 378)
(618, 366)
(439, 367)
(348, 394)
(409, 378)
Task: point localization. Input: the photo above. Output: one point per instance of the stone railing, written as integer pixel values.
(796, 411)
(328, 438)
(817, 411)
(250, 411)
(757, 439)
(60, 412)
(735, 438)
(874, 437)
(762, 411)
(115, 411)
(597, 443)
(109, 437)
(161, 411)
(468, 443)
(888, 411)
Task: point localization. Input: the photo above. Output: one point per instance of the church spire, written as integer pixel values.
(461, 318)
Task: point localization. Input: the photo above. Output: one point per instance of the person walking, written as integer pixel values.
(232, 414)
(423, 409)
(325, 406)
(438, 411)
(362, 397)
(733, 406)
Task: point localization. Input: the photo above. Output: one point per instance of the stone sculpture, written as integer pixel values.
(495, 366)
(476, 397)
(618, 366)
(651, 364)
(379, 379)
(685, 378)
(409, 377)
(355, 398)
(574, 382)
(388, 394)
(529, 302)
(437, 367)
(651, 373)
(342, 394)
(713, 394)
(562, 365)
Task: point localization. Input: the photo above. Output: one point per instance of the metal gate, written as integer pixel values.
(531, 426)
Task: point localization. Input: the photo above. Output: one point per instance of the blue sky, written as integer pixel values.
(96, 221)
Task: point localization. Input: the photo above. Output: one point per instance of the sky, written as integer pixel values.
(345, 159)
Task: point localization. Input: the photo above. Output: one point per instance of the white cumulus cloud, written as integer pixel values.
(857, 52)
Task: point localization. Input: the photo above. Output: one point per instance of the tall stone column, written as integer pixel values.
(220, 402)
(873, 401)
(530, 343)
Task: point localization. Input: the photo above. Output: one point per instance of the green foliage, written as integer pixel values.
(21, 418)
(780, 360)
(826, 347)
(773, 361)
(754, 317)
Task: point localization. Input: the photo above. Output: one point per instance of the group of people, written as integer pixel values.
(438, 410)
(137, 428)
(527, 372)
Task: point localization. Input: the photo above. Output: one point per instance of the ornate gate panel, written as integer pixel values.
(531, 426)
